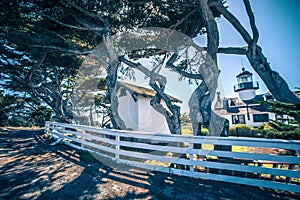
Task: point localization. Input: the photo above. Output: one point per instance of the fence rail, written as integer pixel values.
(192, 156)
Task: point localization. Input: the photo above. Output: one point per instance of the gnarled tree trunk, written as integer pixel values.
(205, 92)
(111, 80)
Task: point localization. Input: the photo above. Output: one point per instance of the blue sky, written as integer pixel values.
(279, 28)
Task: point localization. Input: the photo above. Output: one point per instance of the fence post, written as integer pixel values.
(46, 127)
(82, 138)
(273, 177)
(291, 167)
(50, 129)
(191, 146)
(117, 155)
(63, 130)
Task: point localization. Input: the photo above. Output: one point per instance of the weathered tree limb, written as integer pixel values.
(170, 64)
(86, 12)
(233, 20)
(173, 118)
(111, 80)
(272, 79)
(233, 50)
(102, 29)
(252, 22)
(183, 19)
(69, 51)
(33, 70)
(210, 73)
(211, 29)
(155, 76)
(197, 114)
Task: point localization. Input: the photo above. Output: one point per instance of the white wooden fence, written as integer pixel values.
(178, 154)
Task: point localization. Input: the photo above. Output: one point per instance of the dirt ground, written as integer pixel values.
(30, 168)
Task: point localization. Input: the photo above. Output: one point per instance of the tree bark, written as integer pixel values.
(111, 80)
(206, 91)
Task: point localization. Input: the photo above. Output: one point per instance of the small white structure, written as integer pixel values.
(136, 111)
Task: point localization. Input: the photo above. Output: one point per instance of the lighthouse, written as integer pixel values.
(245, 86)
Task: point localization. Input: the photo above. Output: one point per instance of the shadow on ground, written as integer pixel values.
(31, 168)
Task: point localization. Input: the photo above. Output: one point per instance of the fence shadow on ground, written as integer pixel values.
(30, 168)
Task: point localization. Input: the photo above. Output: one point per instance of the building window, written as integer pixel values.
(261, 117)
(122, 92)
(238, 119)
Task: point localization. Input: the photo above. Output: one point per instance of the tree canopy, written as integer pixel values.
(43, 44)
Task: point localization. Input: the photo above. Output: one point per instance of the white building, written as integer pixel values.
(136, 111)
(238, 111)
(246, 108)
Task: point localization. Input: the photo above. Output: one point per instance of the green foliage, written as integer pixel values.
(277, 125)
(16, 110)
(43, 43)
(293, 134)
(289, 109)
(8, 104)
(39, 116)
(278, 129)
(265, 126)
(204, 132)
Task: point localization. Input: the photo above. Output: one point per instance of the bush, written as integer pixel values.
(204, 131)
(265, 126)
(240, 127)
(288, 135)
(254, 128)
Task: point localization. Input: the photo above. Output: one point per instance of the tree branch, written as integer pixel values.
(32, 71)
(70, 51)
(170, 64)
(103, 30)
(253, 26)
(86, 12)
(212, 29)
(234, 21)
(252, 21)
(58, 35)
(233, 50)
(111, 80)
(154, 76)
(183, 19)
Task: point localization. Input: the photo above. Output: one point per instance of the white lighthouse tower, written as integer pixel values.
(246, 87)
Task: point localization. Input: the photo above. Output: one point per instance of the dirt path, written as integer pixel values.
(32, 169)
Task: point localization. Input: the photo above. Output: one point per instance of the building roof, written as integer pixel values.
(244, 72)
(146, 92)
(233, 106)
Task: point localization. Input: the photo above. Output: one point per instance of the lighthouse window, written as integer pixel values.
(245, 79)
(261, 117)
(238, 119)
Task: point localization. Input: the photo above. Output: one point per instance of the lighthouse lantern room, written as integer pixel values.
(246, 87)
